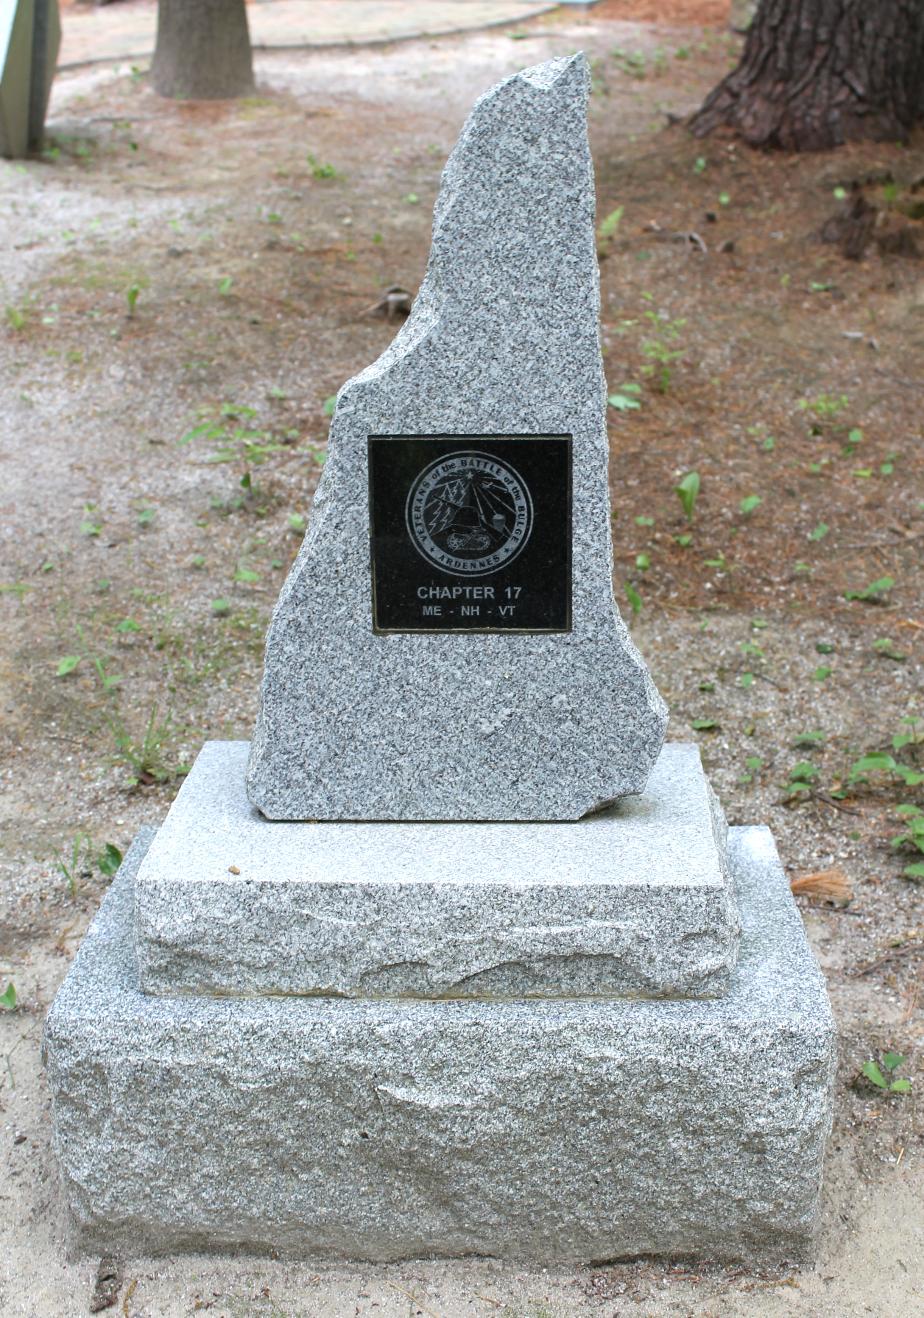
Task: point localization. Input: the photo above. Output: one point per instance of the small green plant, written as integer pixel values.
(882, 1075)
(225, 286)
(687, 491)
(21, 588)
(634, 598)
(631, 62)
(319, 169)
(801, 781)
(241, 444)
(108, 681)
(824, 410)
(146, 514)
(808, 740)
(749, 504)
(67, 665)
(660, 349)
(91, 524)
(753, 765)
(914, 737)
(819, 532)
(109, 860)
(8, 997)
(296, 523)
(875, 593)
(626, 398)
(881, 762)
(132, 294)
(15, 318)
(884, 646)
(143, 756)
(609, 224)
(911, 838)
(906, 742)
(75, 865)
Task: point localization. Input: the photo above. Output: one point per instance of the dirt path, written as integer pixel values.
(251, 240)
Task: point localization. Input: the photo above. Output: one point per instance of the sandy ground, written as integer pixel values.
(255, 268)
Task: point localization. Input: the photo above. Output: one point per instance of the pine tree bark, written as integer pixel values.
(203, 50)
(818, 73)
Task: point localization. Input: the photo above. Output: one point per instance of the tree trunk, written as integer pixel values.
(203, 50)
(818, 73)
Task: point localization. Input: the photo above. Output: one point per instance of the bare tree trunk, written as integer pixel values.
(203, 50)
(818, 73)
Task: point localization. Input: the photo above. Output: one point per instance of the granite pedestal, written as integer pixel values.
(633, 901)
(548, 1130)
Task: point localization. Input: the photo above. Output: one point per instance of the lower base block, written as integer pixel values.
(543, 1130)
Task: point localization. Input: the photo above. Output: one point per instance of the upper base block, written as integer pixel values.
(634, 901)
(542, 1130)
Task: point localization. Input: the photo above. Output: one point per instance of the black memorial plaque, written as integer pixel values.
(470, 533)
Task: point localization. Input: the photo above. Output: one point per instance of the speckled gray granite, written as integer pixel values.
(503, 340)
(632, 901)
(546, 1130)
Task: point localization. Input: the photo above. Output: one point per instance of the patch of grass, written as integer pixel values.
(243, 444)
(144, 755)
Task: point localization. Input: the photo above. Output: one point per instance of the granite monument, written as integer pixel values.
(454, 957)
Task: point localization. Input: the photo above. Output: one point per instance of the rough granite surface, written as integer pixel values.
(632, 901)
(545, 1130)
(503, 340)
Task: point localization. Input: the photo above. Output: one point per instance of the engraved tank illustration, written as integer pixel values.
(471, 511)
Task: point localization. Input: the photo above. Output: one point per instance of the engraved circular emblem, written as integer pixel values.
(469, 513)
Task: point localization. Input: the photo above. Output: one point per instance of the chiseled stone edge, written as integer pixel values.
(544, 1130)
(280, 924)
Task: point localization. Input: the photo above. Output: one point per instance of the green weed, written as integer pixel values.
(660, 348)
(626, 399)
(876, 592)
(882, 1075)
(687, 492)
(319, 169)
(143, 756)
